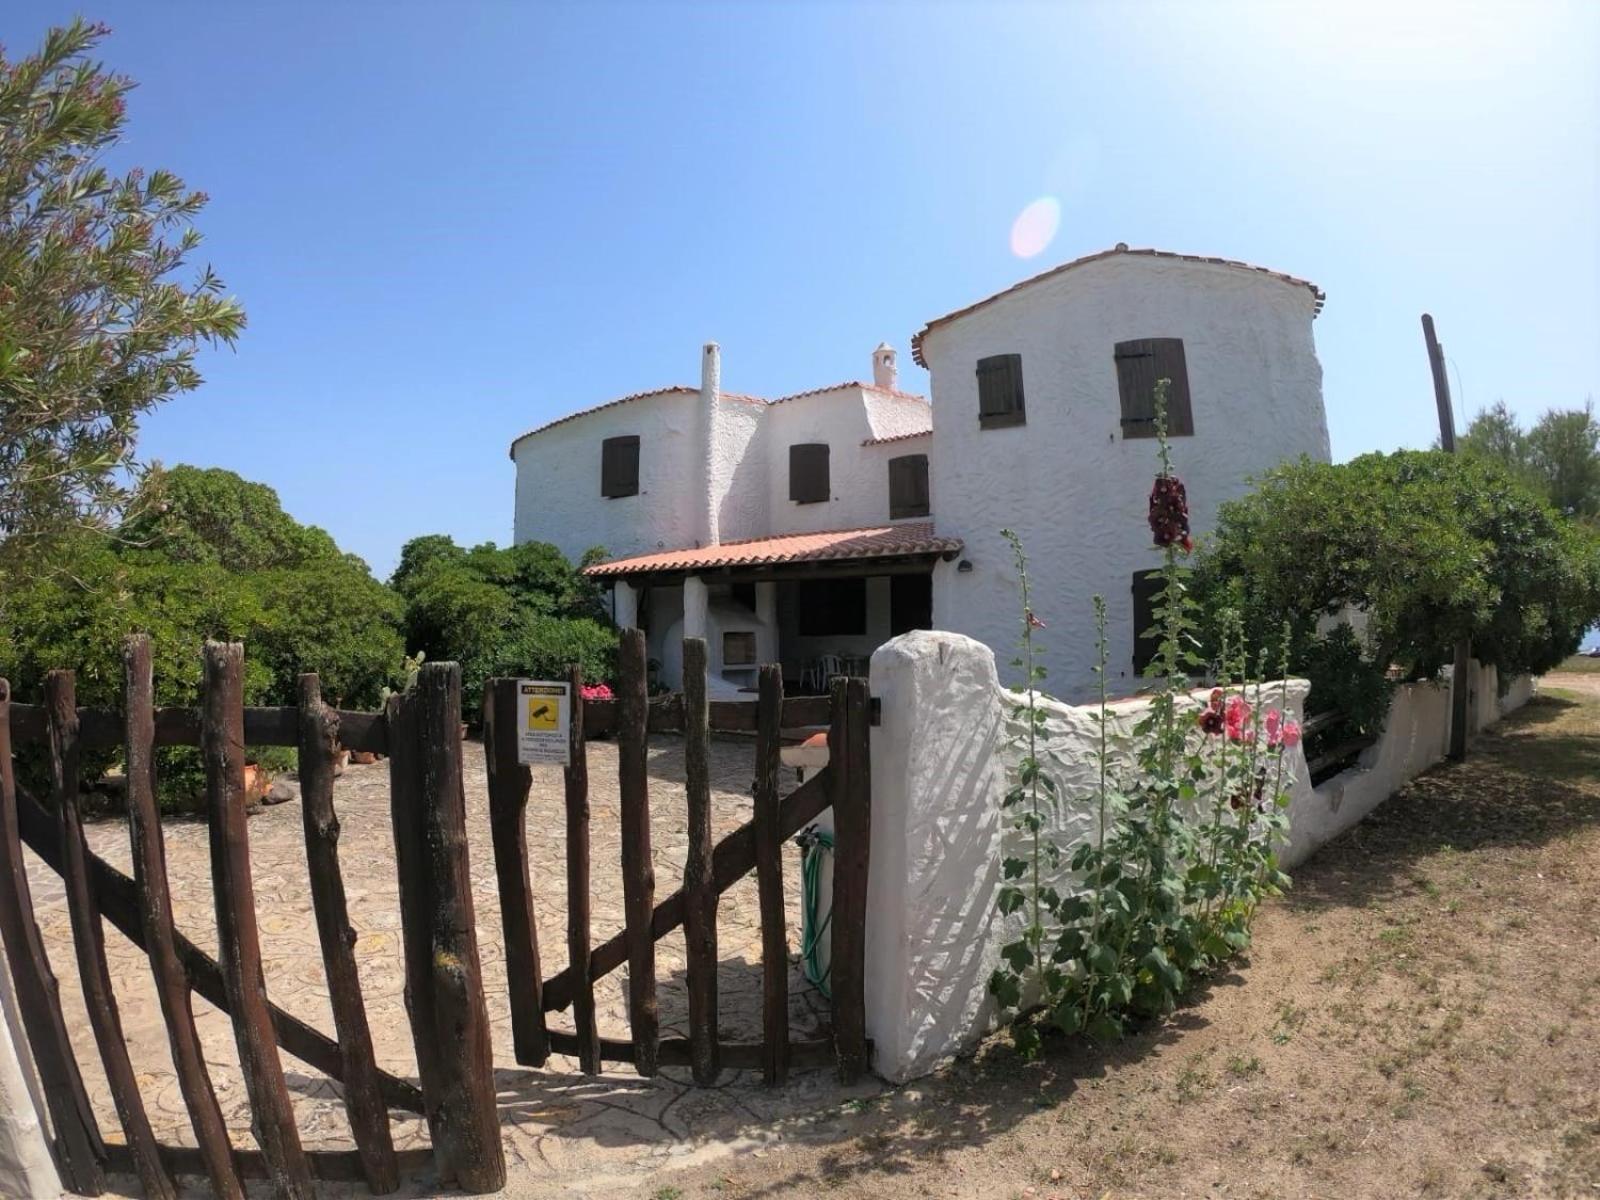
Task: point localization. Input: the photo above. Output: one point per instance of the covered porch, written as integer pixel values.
(818, 603)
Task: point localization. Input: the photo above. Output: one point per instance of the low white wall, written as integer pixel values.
(1415, 737)
(940, 761)
(26, 1169)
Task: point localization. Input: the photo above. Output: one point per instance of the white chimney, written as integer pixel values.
(710, 402)
(884, 372)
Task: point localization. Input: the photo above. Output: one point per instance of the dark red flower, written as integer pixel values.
(1169, 513)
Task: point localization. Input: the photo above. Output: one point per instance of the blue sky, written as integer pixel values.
(451, 222)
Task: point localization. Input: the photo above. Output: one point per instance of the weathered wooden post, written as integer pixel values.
(318, 734)
(80, 1151)
(699, 877)
(155, 918)
(444, 978)
(769, 879)
(578, 900)
(1460, 675)
(638, 870)
(222, 750)
(850, 768)
(509, 783)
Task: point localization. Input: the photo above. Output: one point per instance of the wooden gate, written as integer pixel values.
(844, 784)
(420, 731)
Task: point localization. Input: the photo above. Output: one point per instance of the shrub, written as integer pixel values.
(499, 611)
(1424, 548)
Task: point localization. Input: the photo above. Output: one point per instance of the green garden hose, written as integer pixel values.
(814, 843)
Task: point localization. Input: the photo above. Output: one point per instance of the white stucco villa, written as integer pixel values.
(809, 529)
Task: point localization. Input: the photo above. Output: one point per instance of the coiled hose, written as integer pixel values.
(814, 843)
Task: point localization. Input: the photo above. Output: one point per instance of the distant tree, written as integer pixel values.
(99, 322)
(501, 610)
(207, 514)
(1564, 448)
(1559, 457)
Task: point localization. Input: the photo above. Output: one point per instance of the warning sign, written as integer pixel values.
(543, 716)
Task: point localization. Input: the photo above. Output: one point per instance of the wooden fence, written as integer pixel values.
(420, 733)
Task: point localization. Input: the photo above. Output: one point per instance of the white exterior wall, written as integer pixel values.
(857, 475)
(740, 467)
(940, 763)
(558, 480)
(1415, 737)
(1067, 481)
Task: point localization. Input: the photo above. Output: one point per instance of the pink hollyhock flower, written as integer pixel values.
(1291, 734)
(1216, 699)
(1236, 714)
(596, 691)
(1273, 722)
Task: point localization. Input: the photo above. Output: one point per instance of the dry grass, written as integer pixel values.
(1581, 664)
(1420, 1018)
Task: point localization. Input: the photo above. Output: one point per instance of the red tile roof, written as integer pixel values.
(680, 390)
(674, 390)
(845, 545)
(1119, 248)
(852, 383)
(898, 437)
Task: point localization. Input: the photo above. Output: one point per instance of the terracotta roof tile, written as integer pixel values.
(881, 541)
(674, 390)
(898, 437)
(1119, 248)
(852, 383)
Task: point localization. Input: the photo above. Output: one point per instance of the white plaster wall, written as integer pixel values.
(1067, 481)
(558, 480)
(738, 475)
(940, 763)
(890, 414)
(27, 1171)
(1416, 736)
(857, 474)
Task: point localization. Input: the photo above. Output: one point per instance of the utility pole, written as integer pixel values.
(1459, 680)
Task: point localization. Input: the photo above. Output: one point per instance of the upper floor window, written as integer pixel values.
(1000, 391)
(619, 466)
(908, 486)
(808, 473)
(1139, 365)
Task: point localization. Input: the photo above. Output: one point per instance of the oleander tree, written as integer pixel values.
(102, 309)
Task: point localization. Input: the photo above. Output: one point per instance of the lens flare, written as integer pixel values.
(1035, 227)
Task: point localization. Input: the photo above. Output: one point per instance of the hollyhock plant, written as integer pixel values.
(1169, 513)
(597, 691)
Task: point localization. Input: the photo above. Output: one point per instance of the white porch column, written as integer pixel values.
(625, 605)
(767, 614)
(695, 602)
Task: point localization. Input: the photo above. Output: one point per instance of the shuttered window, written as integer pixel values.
(1139, 365)
(1146, 639)
(808, 473)
(1000, 391)
(619, 466)
(908, 486)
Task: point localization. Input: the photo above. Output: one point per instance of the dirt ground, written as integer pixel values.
(1419, 1017)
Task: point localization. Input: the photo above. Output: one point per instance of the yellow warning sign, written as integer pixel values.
(545, 707)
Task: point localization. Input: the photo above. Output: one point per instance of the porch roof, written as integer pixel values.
(914, 539)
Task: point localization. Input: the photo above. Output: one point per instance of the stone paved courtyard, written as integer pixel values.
(562, 1131)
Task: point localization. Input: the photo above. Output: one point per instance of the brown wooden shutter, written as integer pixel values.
(808, 473)
(619, 466)
(1146, 639)
(1000, 391)
(908, 486)
(1139, 365)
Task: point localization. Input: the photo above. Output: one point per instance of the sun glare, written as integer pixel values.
(1035, 227)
